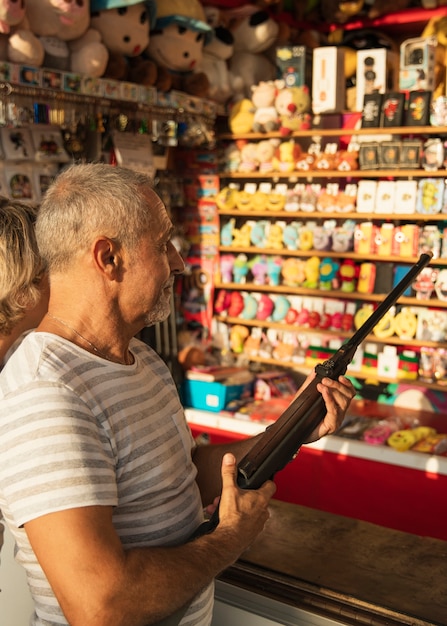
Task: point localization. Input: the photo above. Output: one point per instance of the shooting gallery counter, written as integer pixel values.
(399, 490)
(313, 567)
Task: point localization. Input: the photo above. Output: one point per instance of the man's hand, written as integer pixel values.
(337, 395)
(243, 512)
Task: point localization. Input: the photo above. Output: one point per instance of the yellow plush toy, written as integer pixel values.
(437, 27)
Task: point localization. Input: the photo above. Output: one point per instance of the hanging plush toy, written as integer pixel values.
(124, 27)
(176, 43)
(69, 42)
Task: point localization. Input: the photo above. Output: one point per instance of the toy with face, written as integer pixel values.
(176, 43)
(17, 43)
(124, 28)
(69, 41)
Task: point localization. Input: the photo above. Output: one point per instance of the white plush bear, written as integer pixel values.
(69, 42)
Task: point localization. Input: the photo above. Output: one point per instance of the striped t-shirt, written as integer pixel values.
(77, 430)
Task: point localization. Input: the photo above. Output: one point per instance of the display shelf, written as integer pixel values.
(396, 341)
(234, 219)
(344, 295)
(354, 215)
(339, 132)
(324, 253)
(310, 174)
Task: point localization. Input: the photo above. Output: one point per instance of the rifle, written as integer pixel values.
(282, 440)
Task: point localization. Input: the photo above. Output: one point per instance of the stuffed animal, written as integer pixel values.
(124, 28)
(263, 96)
(17, 43)
(437, 27)
(70, 43)
(265, 152)
(254, 32)
(241, 116)
(292, 106)
(176, 43)
(215, 58)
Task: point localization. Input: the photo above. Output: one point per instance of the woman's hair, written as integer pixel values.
(88, 200)
(21, 266)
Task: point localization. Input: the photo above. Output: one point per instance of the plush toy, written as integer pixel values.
(17, 43)
(293, 273)
(275, 201)
(248, 152)
(288, 154)
(216, 54)
(258, 233)
(274, 265)
(254, 32)
(263, 96)
(328, 274)
(250, 307)
(176, 43)
(275, 237)
(293, 105)
(258, 267)
(240, 118)
(348, 274)
(265, 152)
(69, 41)
(124, 28)
(437, 27)
(312, 272)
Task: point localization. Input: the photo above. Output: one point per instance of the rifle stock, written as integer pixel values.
(281, 441)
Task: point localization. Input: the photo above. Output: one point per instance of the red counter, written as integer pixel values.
(399, 490)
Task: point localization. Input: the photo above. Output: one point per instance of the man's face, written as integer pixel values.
(151, 269)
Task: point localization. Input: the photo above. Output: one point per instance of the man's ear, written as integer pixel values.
(106, 257)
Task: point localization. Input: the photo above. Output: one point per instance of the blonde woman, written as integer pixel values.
(24, 288)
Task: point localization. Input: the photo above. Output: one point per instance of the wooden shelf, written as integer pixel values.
(340, 132)
(395, 341)
(382, 217)
(310, 174)
(325, 253)
(343, 295)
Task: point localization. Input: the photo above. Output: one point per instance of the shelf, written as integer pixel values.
(340, 132)
(325, 253)
(344, 295)
(395, 341)
(310, 174)
(382, 217)
(304, 369)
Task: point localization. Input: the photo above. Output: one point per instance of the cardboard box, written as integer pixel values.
(294, 65)
(417, 64)
(405, 198)
(375, 73)
(328, 84)
(366, 196)
(211, 396)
